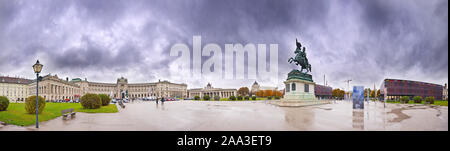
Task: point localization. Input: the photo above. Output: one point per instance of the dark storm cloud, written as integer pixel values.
(224, 21)
(8, 11)
(244, 22)
(375, 39)
(105, 12)
(95, 55)
(429, 53)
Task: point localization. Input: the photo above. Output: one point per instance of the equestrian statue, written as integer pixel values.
(300, 58)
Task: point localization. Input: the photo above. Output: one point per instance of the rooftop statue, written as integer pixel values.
(300, 58)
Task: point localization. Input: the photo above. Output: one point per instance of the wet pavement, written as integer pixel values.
(253, 116)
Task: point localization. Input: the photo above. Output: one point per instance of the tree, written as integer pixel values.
(232, 98)
(338, 93)
(417, 99)
(105, 99)
(429, 100)
(365, 92)
(4, 102)
(278, 93)
(243, 91)
(268, 93)
(91, 101)
(30, 104)
(206, 97)
(260, 93)
(378, 93)
(404, 99)
(372, 94)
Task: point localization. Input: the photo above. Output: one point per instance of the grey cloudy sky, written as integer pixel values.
(101, 40)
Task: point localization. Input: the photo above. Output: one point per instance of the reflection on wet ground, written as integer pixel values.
(259, 115)
(358, 119)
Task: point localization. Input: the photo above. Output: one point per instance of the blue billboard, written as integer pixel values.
(358, 97)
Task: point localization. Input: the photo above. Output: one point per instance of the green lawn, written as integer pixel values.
(17, 115)
(441, 103)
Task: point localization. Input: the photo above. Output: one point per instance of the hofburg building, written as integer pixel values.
(51, 87)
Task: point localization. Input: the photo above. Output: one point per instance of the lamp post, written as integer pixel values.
(37, 69)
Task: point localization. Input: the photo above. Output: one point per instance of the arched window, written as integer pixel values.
(293, 87)
(287, 87)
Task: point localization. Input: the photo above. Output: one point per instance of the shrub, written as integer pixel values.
(429, 100)
(91, 101)
(239, 98)
(105, 99)
(4, 103)
(277, 97)
(196, 98)
(232, 98)
(417, 99)
(269, 98)
(404, 99)
(216, 98)
(253, 97)
(206, 97)
(30, 104)
(247, 98)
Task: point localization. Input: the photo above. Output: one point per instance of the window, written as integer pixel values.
(287, 87)
(293, 87)
(306, 87)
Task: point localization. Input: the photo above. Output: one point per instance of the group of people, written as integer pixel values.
(162, 100)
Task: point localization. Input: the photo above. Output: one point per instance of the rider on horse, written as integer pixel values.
(300, 58)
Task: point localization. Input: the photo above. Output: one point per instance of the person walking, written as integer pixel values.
(156, 101)
(162, 100)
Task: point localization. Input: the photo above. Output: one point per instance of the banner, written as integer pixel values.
(358, 97)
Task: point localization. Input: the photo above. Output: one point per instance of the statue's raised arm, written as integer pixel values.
(299, 45)
(300, 58)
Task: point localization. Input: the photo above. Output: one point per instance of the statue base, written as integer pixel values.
(299, 91)
(296, 74)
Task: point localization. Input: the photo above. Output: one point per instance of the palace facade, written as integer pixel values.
(209, 90)
(15, 89)
(53, 88)
(256, 87)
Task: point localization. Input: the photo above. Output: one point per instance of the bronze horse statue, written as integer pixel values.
(300, 58)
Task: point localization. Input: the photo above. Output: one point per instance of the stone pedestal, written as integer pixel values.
(299, 90)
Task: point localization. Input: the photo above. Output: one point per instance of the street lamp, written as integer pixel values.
(37, 69)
